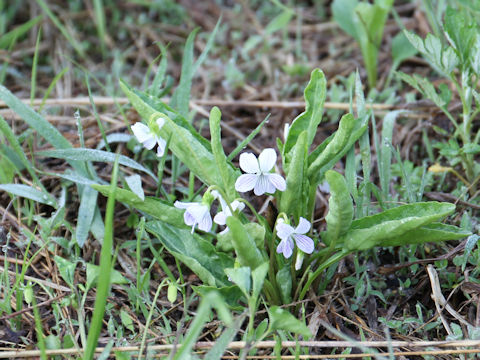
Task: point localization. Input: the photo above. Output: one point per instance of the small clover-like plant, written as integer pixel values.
(458, 61)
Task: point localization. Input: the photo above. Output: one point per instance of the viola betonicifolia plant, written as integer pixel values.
(232, 248)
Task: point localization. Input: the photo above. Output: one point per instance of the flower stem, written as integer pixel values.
(332, 260)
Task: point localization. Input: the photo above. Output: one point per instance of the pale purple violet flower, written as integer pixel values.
(196, 214)
(290, 236)
(148, 138)
(258, 176)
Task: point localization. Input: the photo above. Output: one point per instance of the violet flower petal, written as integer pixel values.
(245, 182)
(249, 163)
(267, 159)
(304, 243)
(277, 181)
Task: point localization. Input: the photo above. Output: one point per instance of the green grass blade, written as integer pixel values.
(208, 46)
(161, 71)
(100, 22)
(105, 270)
(95, 113)
(149, 318)
(405, 177)
(181, 96)
(37, 122)
(42, 126)
(221, 344)
(340, 213)
(38, 330)
(212, 299)
(366, 156)
(34, 68)
(51, 86)
(249, 138)
(6, 39)
(17, 148)
(75, 44)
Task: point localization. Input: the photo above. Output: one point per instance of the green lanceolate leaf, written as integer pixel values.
(314, 94)
(194, 251)
(371, 231)
(279, 22)
(364, 22)
(256, 232)
(284, 281)
(247, 252)
(282, 320)
(151, 205)
(371, 20)
(340, 207)
(151, 105)
(82, 154)
(258, 278)
(134, 182)
(336, 146)
(293, 199)
(85, 215)
(434, 232)
(223, 165)
(241, 277)
(231, 294)
(343, 12)
(183, 142)
(385, 151)
(29, 193)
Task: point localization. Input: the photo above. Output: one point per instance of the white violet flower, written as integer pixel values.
(299, 260)
(148, 137)
(286, 129)
(221, 217)
(258, 176)
(195, 214)
(290, 236)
